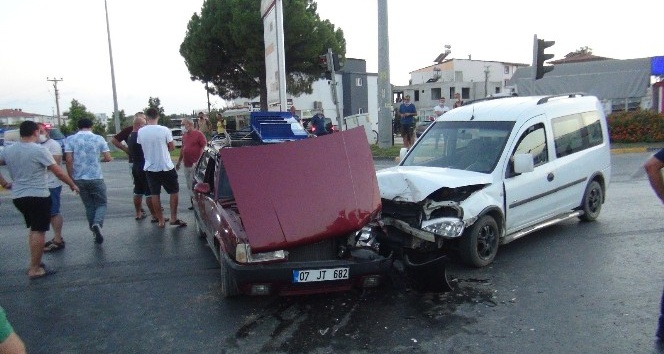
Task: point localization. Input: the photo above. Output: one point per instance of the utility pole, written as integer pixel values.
(486, 81)
(116, 113)
(385, 133)
(57, 96)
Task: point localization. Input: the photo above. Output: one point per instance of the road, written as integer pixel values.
(573, 288)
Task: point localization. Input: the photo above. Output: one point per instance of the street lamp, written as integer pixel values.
(116, 114)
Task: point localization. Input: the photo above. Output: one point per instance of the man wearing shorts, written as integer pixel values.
(55, 188)
(407, 111)
(135, 151)
(28, 163)
(157, 143)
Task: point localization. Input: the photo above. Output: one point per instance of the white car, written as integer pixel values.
(492, 171)
(177, 136)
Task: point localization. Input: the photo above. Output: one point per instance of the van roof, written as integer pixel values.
(522, 108)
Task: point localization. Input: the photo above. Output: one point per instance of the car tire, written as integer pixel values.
(592, 201)
(228, 285)
(374, 137)
(479, 245)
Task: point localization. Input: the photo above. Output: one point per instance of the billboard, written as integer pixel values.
(275, 58)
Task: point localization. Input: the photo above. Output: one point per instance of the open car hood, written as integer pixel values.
(415, 183)
(302, 192)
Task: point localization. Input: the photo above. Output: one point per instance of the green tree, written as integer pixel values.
(156, 103)
(77, 112)
(124, 122)
(224, 47)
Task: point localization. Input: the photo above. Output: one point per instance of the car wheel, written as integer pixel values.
(228, 284)
(374, 137)
(592, 201)
(480, 244)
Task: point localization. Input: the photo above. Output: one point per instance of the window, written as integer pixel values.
(360, 110)
(358, 81)
(416, 95)
(533, 141)
(435, 93)
(507, 69)
(576, 132)
(465, 93)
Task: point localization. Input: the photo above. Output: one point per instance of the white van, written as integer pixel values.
(494, 170)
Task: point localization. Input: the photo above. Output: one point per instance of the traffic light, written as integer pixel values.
(540, 69)
(337, 64)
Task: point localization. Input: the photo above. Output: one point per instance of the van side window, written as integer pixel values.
(576, 132)
(533, 141)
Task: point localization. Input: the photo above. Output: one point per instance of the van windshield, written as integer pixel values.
(472, 146)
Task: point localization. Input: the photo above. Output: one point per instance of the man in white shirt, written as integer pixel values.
(157, 143)
(55, 188)
(441, 108)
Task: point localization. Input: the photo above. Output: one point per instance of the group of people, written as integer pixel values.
(408, 111)
(36, 176)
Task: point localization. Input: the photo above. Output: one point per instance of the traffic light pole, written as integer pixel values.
(335, 97)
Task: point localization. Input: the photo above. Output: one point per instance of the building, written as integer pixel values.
(355, 91)
(472, 79)
(14, 116)
(621, 85)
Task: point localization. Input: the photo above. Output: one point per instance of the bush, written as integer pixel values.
(636, 127)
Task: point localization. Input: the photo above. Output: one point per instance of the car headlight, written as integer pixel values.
(243, 254)
(445, 227)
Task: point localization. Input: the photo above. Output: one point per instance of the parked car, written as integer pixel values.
(420, 127)
(13, 136)
(273, 235)
(496, 170)
(177, 137)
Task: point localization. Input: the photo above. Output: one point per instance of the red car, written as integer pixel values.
(280, 222)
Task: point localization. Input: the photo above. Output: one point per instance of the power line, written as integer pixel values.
(57, 96)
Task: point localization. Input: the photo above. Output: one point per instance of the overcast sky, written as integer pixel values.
(67, 39)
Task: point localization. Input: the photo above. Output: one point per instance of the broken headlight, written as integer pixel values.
(445, 227)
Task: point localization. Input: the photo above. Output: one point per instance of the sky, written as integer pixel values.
(67, 39)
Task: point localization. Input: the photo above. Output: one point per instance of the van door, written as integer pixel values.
(530, 197)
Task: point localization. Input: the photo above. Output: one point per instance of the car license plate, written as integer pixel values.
(312, 275)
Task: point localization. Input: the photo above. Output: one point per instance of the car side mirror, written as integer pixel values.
(523, 163)
(202, 187)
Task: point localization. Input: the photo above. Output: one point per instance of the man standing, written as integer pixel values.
(318, 124)
(55, 188)
(82, 151)
(138, 175)
(407, 111)
(441, 108)
(193, 143)
(653, 167)
(28, 163)
(157, 142)
(204, 124)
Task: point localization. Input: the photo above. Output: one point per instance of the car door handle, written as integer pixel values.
(549, 177)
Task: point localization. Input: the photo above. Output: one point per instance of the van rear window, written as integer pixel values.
(576, 132)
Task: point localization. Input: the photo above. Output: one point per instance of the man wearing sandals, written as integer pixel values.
(55, 188)
(157, 143)
(28, 163)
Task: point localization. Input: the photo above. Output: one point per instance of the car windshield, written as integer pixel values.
(56, 134)
(472, 146)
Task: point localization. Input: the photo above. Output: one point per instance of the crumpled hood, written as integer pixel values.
(415, 183)
(302, 192)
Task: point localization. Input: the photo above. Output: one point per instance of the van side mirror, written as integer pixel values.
(202, 187)
(523, 163)
(402, 154)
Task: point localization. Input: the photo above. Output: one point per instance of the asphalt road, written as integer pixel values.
(573, 288)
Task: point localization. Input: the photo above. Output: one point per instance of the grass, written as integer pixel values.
(387, 152)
